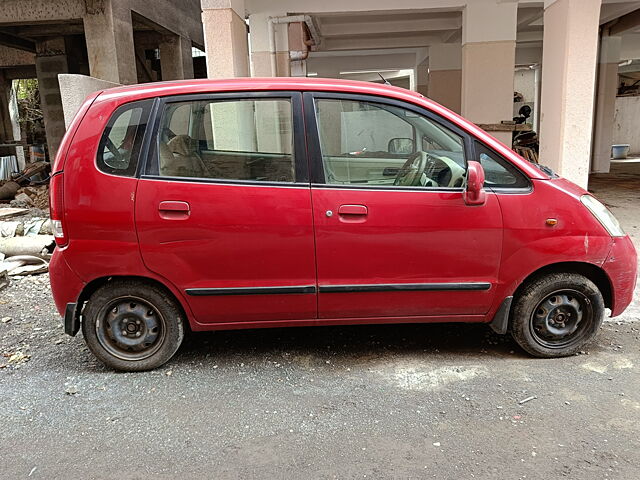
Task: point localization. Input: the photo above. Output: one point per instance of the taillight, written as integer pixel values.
(56, 207)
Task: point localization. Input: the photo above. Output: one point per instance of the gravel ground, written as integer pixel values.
(395, 401)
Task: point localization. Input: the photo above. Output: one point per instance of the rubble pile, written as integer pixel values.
(36, 196)
(26, 240)
(27, 188)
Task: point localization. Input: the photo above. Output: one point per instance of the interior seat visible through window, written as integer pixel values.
(242, 139)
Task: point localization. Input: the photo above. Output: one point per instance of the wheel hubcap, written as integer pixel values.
(130, 328)
(561, 318)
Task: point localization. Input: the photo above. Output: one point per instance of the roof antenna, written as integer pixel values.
(383, 79)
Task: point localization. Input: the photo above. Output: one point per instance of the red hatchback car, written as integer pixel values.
(250, 203)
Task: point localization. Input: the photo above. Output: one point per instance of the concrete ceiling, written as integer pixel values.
(421, 28)
(362, 30)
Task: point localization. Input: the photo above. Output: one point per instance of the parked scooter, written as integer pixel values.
(525, 139)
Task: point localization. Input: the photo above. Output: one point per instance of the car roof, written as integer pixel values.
(179, 87)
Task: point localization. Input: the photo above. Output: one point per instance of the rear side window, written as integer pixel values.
(120, 145)
(243, 139)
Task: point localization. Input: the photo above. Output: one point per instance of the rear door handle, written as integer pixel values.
(174, 210)
(353, 210)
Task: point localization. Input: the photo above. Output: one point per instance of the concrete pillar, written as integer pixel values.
(488, 62)
(607, 88)
(445, 75)
(297, 35)
(109, 36)
(225, 38)
(260, 51)
(568, 83)
(422, 77)
(6, 128)
(51, 60)
(176, 58)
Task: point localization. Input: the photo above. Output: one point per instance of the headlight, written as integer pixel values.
(603, 215)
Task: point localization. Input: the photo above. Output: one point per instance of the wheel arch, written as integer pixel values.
(593, 272)
(96, 283)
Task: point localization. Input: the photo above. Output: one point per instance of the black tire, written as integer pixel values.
(556, 315)
(132, 326)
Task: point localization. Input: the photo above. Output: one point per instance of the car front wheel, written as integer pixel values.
(132, 326)
(557, 315)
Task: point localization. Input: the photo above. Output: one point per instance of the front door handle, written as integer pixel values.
(353, 210)
(174, 210)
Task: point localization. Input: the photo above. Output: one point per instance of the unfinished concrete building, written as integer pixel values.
(562, 56)
(119, 41)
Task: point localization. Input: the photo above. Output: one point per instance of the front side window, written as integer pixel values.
(246, 139)
(498, 173)
(119, 147)
(374, 144)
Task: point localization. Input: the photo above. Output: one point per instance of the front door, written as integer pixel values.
(394, 237)
(223, 208)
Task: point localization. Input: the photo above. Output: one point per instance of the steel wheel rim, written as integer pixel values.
(561, 319)
(130, 328)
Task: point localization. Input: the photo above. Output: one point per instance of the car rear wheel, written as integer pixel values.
(557, 315)
(132, 326)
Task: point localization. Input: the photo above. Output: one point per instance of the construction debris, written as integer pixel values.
(8, 190)
(37, 196)
(6, 213)
(24, 265)
(27, 227)
(26, 240)
(38, 245)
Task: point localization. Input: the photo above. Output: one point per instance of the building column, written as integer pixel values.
(225, 38)
(422, 77)
(445, 75)
(6, 127)
(109, 36)
(488, 62)
(569, 59)
(176, 58)
(261, 65)
(51, 60)
(607, 89)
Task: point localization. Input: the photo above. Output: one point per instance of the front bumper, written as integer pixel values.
(622, 268)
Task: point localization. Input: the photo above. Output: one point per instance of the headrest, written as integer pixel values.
(182, 145)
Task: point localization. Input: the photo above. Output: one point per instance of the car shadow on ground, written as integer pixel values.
(349, 341)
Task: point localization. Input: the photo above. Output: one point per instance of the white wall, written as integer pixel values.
(524, 82)
(74, 89)
(626, 122)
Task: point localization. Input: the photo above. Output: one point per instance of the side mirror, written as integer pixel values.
(401, 145)
(474, 193)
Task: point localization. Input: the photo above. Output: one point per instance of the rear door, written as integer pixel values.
(223, 209)
(394, 237)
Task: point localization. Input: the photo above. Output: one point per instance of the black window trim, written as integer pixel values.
(509, 167)
(313, 139)
(299, 147)
(148, 111)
